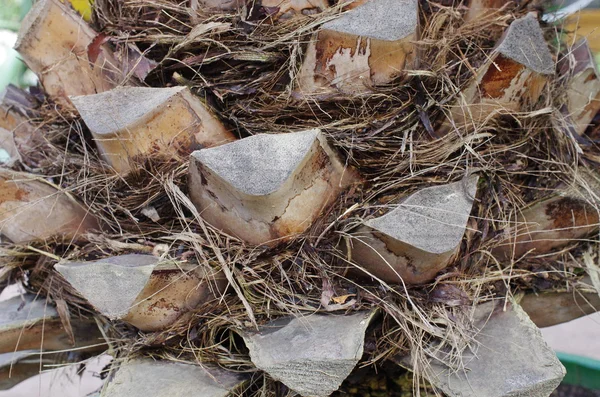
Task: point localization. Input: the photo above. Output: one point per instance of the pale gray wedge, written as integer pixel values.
(312, 355)
(417, 239)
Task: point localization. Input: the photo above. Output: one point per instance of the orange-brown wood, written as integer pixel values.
(548, 224)
(347, 56)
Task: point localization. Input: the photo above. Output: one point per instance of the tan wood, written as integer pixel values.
(30, 323)
(583, 85)
(18, 133)
(548, 224)
(288, 8)
(33, 209)
(481, 8)
(552, 308)
(585, 25)
(131, 123)
(371, 44)
(413, 242)
(511, 80)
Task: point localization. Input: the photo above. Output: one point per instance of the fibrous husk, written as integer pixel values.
(267, 188)
(246, 68)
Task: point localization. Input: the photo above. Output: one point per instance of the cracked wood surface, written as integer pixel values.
(413, 242)
(56, 44)
(371, 44)
(312, 355)
(142, 290)
(267, 188)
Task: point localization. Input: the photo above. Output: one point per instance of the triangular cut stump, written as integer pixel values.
(142, 290)
(134, 122)
(28, 323)
(556, 307)
(311, 355)
(412, 243)
(546, 225)
(369, 45)
(31, 209)
(509, 357)
(512, 79)
(144, 377)
(58, 46)
(583, 87)
(269, 187)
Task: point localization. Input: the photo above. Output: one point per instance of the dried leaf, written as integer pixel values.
(95, 47)
(342, 299)
(137, 63)
(65, 318)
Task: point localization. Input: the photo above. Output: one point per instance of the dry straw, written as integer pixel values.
(245, 69)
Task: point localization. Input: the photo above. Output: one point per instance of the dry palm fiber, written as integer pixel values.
(243, 65)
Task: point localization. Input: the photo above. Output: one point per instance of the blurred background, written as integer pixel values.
(578, 342)
(12, 70)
